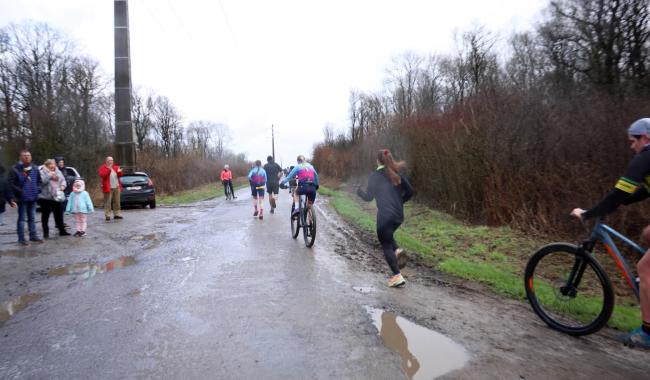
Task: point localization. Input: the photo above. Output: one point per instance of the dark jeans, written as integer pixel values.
(51, 207)
(385, 232)
(26, 210)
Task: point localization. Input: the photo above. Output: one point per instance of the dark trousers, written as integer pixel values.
(51, 207)
(227, 184)
(385, 232)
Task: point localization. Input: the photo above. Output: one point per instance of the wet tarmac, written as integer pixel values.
(206, 291)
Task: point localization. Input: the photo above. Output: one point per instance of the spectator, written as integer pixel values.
(69, 179)
(52, 195)
(6, 196)
(80, 205)
(25, 183)
(111, 187)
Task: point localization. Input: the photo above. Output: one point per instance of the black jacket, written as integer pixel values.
(6, 195)
(272, 169)
(390, 198)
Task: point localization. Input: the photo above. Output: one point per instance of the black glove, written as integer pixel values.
(317, 187)
(360, 192)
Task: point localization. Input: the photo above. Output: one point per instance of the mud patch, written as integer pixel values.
(364, 289)
(87, 270)
(18, 253)
(425, 354)
(8, 309)
(147, 237)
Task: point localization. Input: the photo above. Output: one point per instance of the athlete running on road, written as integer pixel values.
(307, 179)
(226, 180)
(273, 173)
(632, 187)
(391, 190)
(257, 180)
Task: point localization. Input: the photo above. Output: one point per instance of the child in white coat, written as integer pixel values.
(80, 205)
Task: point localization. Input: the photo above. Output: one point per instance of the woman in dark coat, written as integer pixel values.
(6, 195)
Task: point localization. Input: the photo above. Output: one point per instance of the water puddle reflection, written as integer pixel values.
(7, 309)
(426, 354)
(89, 270)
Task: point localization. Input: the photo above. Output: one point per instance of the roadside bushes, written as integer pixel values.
(513, 139)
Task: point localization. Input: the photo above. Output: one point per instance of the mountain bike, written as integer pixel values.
(569, 289)
(305, 219)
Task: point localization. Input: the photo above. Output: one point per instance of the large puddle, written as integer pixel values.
(7, 309)
(425, 354)
(89, 270)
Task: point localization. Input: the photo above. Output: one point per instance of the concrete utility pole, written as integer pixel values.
(272, 143)
(124, 133)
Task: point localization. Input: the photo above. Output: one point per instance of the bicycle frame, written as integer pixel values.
(604, 233)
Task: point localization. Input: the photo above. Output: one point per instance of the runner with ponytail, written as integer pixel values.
(391, 190)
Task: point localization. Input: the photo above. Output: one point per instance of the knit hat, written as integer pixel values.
(640, 127)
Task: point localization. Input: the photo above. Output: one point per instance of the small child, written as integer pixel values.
(80, 205)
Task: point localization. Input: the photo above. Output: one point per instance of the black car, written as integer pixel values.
(137, 188)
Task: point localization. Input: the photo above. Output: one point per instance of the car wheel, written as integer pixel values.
(152, 204)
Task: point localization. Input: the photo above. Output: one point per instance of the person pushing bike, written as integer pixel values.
(632, 187)
(307, 182)
(226, 180)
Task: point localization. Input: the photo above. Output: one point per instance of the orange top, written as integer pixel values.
(226, 175)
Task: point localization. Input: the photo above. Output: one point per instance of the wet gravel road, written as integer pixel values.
(206, 291)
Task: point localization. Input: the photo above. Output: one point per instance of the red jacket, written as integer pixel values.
(105, 173)
(226, 175)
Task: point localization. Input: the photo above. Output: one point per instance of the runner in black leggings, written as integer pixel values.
(391, 190)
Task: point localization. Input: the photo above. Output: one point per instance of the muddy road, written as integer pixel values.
(206, 291)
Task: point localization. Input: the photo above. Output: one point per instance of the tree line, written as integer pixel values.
(56, 100)
(518, 138)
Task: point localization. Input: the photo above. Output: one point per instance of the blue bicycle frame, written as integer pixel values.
(604, 233)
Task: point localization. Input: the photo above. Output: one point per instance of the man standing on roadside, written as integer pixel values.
(111, 187)
(273, 171)
(25, 183)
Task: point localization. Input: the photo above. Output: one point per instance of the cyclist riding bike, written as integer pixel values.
(307, 179)
(632, 187)
(226, 180)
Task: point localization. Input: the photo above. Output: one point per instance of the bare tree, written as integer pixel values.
(167, 124)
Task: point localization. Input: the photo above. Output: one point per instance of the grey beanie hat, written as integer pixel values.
(640, 127)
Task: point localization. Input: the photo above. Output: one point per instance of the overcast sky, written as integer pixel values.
(250, 64)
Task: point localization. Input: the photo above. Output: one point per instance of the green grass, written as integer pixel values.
(493, 256)
(201, 193)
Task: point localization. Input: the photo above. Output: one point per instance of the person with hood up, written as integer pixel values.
(80, 205)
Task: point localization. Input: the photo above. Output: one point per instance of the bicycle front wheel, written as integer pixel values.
(295, 226)
(568, 289)
(309, 229)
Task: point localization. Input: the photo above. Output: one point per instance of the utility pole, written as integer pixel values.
(124, 133)
(272, 142)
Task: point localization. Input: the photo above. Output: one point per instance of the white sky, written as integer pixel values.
(250, 64)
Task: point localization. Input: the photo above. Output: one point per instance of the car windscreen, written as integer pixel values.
(133, 179)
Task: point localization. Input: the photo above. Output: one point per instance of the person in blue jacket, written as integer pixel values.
(257, 180)
(80, 205)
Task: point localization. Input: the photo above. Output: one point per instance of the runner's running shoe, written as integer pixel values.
(636, 338)
(396, 281)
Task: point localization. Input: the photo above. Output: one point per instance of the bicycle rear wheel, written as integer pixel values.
(568, 289)
(309, 229)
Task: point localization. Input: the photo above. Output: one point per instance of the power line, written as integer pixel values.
(225, 17)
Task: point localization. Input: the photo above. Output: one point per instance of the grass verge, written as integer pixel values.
(201, 193)
(494, 256)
